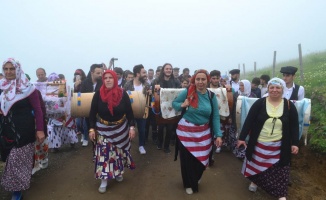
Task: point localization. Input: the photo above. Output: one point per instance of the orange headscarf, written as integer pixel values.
(192, 95)
(111, 96)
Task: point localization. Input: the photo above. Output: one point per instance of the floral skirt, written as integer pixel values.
(18, 171)
(110, 160)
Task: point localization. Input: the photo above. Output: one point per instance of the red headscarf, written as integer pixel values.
(111, 96)
(192, 95)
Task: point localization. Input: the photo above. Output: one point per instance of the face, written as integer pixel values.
(201, 81)
(10, 71)
(262, 82)
(235, 77)
(150, 74)
(157, 74)
(142, 75)
(167, 71)
(223, 82)
(119, 76)
(186, 73)
(130, 77)
(108, 81)
(97, 74)
(254, 86)
(41, 75)
(288, 78)
(175, 73)
(184, 84)
(241, 87)
(215, 80)
(275, 91)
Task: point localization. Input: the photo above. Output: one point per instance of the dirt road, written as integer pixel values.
(70, 177)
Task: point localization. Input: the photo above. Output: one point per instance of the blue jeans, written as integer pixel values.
(82, 127)
(141, 124)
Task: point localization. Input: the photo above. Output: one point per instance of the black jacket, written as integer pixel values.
(87, 86)
(255, 121)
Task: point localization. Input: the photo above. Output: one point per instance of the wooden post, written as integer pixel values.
(274, 64)
(255, 69)
(301, 65)
(244, 71)
(238, 66)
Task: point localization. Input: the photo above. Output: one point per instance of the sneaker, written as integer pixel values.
(218, 150)
(94, 158)
(36, 168)
(82, 138)
(85, 143)
(102, 190)
(159, 147)
(167, 150)
(252, 187)
(17, 195)
(119, 178)
(44, 164)
(142, 150)
(189, 191)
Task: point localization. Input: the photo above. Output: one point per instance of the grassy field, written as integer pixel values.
(314, 83)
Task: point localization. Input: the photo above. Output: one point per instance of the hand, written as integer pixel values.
(78, 82)
(241, 142)
(294, 150)
(149, 92)
(132, 133)
(40, 136)
(218, 141)
(185, 104)
(91, 136)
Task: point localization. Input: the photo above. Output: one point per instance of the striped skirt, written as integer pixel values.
(265, 171)
(197, 139)
(112, 151)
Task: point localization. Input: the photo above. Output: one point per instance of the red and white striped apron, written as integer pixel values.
(117, 135)
(265, 155)
(196, 138)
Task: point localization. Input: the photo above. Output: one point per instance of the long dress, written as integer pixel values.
(113, 145)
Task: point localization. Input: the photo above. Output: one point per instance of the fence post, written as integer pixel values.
(244, 71)
(255, 69)
(301, 65)
(274, 64)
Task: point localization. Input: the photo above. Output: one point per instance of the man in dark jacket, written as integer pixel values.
(91, 84)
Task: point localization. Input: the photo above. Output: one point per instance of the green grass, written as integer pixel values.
(314, 71)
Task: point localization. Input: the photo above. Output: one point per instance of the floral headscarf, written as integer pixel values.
(247, 88)
(16, 89)
(53, 77)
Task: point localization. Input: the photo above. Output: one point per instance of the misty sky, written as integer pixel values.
(64, 35)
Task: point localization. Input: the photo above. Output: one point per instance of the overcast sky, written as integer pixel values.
(64, 35)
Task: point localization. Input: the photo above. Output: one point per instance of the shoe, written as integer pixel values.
(94, 158)
(159, 147)
(17, 195)
(142, 150)
(44, 164)
(199, 181)
(102, 190)
(54, 150)
(189, 191)
(82, 138)
(119, 178)
(218, 150)
(85, 143)
(36, 169)
(252, 188)
(167, 150)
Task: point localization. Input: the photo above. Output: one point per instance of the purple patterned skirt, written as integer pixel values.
(18, 171)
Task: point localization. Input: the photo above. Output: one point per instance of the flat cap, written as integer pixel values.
(176, 69)
(235, 71)
(289, 70)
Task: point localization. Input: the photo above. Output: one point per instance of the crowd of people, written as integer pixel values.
(267, 139)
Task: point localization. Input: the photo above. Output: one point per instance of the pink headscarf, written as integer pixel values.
(16, 89)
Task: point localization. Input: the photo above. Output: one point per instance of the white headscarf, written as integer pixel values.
(16, 89)
(276, 81)
(247, 88)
